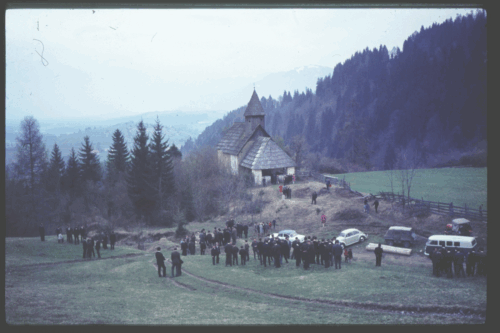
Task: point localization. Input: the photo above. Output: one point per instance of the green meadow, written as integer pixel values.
(60, 288)
(458, 185)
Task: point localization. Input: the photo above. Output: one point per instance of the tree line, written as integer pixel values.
(148, 184)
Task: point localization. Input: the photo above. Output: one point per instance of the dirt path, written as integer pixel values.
(404, 310)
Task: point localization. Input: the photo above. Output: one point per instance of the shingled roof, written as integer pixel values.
(234, 139)
(254, 108)
(266, 154)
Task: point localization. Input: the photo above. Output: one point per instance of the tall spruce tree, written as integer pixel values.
(140, 191)
(162, 178)
(90, 167)
(72, 184)
(118, 156)
(56, 170)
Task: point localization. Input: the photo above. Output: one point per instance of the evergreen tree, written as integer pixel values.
(72, 183)
(118, 156)
(56, 170)
(139, 187)
(174, 151)
(90, 167)
(161, 166)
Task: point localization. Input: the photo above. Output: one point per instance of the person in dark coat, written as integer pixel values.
(234, 235)
(375, 204)
(260, 249)
(214, 254)
(217, 246)
(176, 262)
(435, 257)
(481, 262)
(326, 254)
(296, 251)
(304, 248)
(76, 233)
(69, 238)
(160, 261)
(314, 196)
(92, 245)
(245, 230)
(83, 232)
(470, 263)
(337, 255)
(243, 255)
(227, 236)
(90, 248)
(184, 247)
(276, 252)
(203, 247)
(266, 249)
(274, 224)
(192, 247)
(247, 248)
(235, 254)
(112, 240)
(98, 247)
(239, 230)
(285, 249)
(209, 239)
(41, 231)
(254, 249)
(378, 255)
(228, 249)
(84, 245)
(104, 240)
(321, 249)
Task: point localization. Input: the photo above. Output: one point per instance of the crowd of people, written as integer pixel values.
(450, 262)
(77, 235)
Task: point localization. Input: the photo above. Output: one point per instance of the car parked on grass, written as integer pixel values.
(400, 236)
(351, 236)
(291, 235)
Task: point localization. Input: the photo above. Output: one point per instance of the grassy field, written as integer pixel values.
(60, 288)
(458, 185)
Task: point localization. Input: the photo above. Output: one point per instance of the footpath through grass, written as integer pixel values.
(359, 281)
(458, 185)
(128, 291)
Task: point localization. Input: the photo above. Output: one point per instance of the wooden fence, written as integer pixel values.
(440, 208)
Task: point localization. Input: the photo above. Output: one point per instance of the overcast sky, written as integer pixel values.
(111, 62)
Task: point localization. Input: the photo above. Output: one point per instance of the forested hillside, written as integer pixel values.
(428, 100)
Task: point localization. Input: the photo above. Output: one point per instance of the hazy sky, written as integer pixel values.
(112, 62)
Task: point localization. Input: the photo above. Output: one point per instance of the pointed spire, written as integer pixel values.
(254, 108)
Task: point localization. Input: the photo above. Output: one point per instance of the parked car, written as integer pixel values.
(400, 236)
(351, 236)
(291, 235)
(460, 227)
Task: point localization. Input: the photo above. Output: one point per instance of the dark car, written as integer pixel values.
(400, 236)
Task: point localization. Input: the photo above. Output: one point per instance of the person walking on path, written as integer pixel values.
(378, 255)
(176, 262)
(375, 204)
(323, 220)
(160, 261)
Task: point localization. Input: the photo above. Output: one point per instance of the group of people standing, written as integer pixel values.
(176, 260)
(262, 228)
(91, 243)
(449, 261)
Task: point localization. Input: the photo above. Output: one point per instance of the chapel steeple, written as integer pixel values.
(254, 113)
